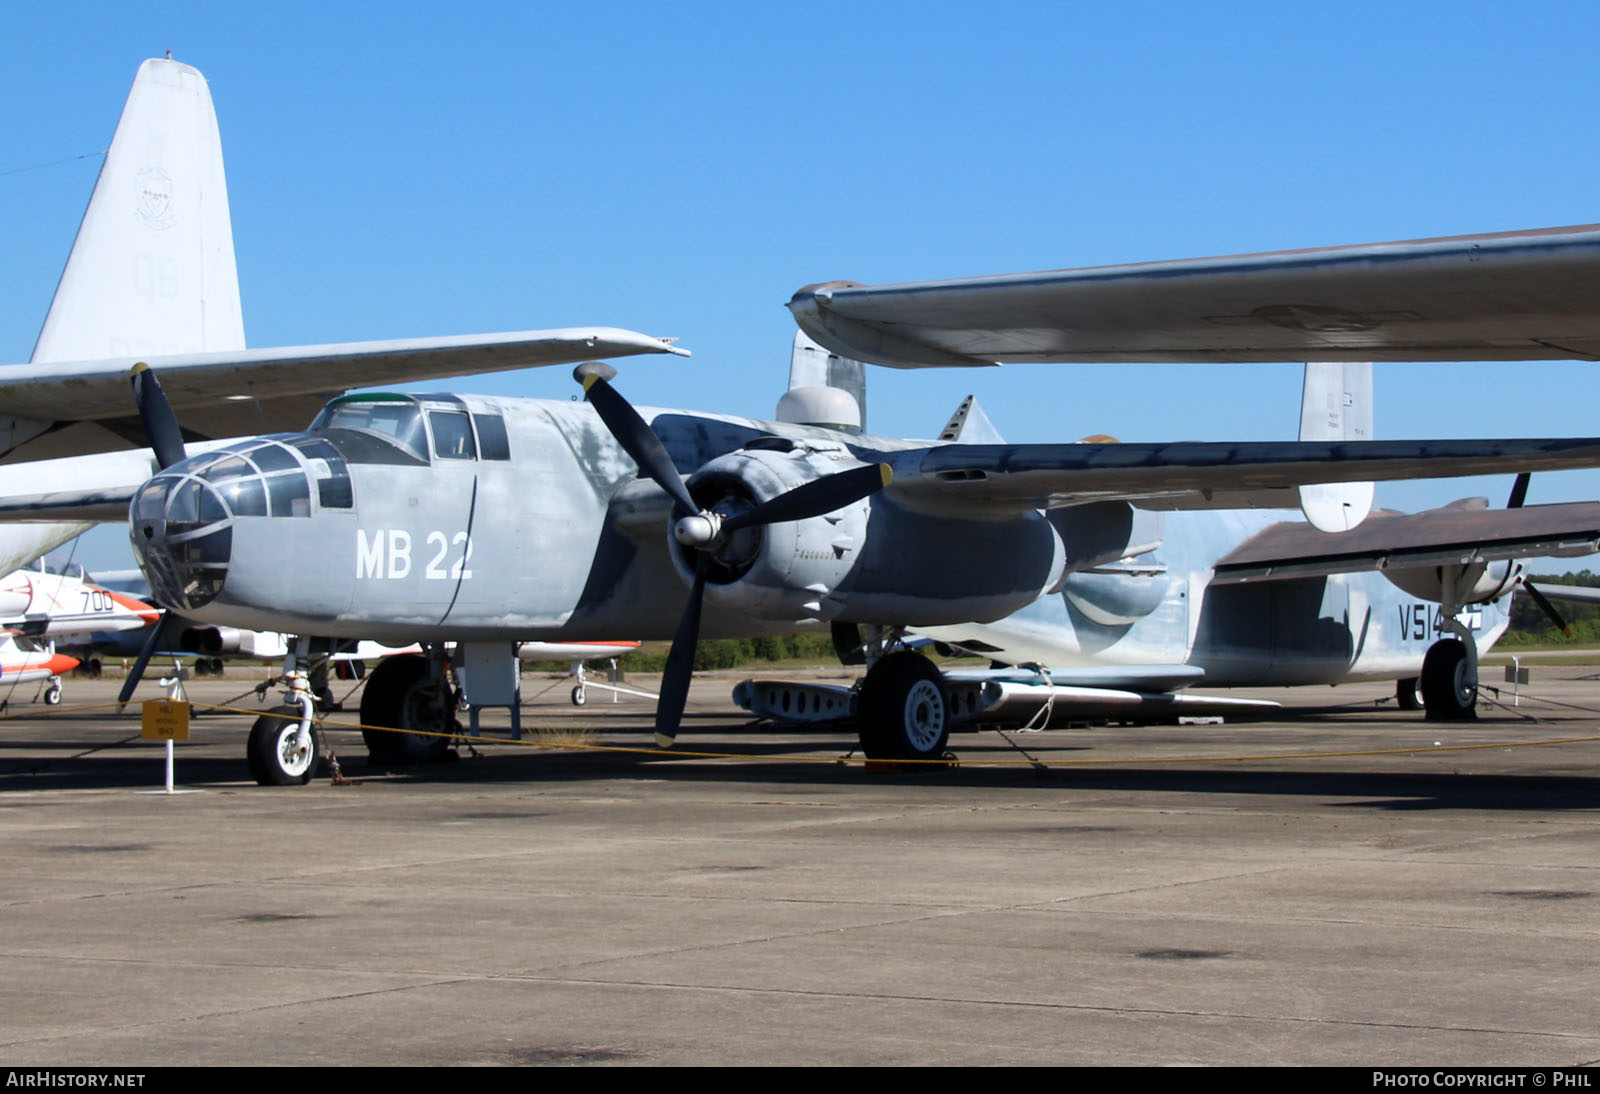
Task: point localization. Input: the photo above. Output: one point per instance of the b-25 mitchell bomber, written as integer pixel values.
(484, 522)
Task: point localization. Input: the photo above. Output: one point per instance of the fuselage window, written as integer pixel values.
(452, 435)
(492, 441)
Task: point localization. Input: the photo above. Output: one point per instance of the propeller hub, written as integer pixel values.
(698, 530)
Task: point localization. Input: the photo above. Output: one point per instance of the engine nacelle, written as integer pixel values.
(829, 568)
(209, 640)
(1478, 582)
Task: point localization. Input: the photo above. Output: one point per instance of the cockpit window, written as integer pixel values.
(452, 435)
(273, 457)
(290, 495)
(395, 420)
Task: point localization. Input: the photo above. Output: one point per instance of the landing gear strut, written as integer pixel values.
(410, 692)
(1450, 667)
(283, 750)
(903, 711)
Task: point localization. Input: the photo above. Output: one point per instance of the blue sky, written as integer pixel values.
(681, 169)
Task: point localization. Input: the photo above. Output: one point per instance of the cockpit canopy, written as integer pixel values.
(408, 423)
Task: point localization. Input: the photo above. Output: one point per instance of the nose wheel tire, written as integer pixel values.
(402, 694)
(1446, 692)
(1408, 693)
(276, 758)
(903, 712)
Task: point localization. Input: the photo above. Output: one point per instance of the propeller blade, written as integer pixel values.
(636, 437)
(815, 498)
(1519, 491)
(155, 413)
(1549, 608)
(680, 664)
(145, 653)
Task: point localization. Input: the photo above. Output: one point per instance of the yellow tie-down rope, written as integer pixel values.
(949, 760)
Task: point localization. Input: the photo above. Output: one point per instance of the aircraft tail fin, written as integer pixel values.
(1336, 405)
(152, 270)
(970, 425)
(819, 381)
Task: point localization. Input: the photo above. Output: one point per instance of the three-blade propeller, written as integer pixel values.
(1519, 494)
(703, 529)
(166, 441)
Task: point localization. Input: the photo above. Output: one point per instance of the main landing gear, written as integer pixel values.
(903, 711)
(1450, 682)
(1448, 687)
(409, 692)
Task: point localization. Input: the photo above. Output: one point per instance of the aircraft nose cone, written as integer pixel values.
(182, 536)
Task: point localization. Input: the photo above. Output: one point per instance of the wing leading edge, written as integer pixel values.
(1003, 480)
(1507, 296)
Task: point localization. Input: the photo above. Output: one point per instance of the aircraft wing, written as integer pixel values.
(1004, 480)
(1508, 296)
(1436, 537)
(87, 407)
(1577, 594)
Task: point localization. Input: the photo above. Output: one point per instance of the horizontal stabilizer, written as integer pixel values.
(1508, 296)
(1438, 537)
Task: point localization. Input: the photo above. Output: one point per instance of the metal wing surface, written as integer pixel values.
(1003, 480)
(1576, 594)
(1436, 537)
(86, 407)
(1506, 296)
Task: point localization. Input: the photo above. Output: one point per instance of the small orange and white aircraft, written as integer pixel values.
(37, 607)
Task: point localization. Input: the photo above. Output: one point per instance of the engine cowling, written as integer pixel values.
(1478, 582)
(914, 568)
(776, 571)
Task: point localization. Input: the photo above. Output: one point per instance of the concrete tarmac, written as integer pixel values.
(1341, 885)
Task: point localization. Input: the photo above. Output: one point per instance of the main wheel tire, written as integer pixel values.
(401, 694)
(1445, 691)
(903, 712)
(1408, 693)
(276, 759)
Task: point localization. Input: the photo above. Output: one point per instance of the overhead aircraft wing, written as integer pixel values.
(85, 407)
(1400, 540)
(1507, 296)
(1004, 480)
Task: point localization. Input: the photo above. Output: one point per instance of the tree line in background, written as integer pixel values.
(1531, 627)
(724, 653)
